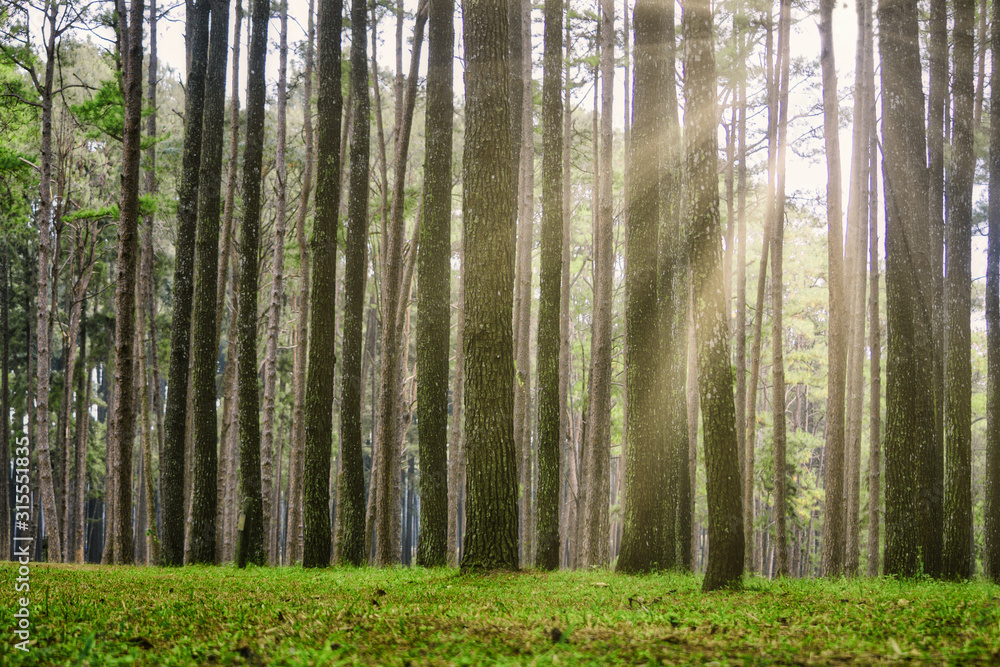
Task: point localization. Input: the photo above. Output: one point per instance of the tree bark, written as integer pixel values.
(387, 502)
(833, 531)
(278, 269)
(172, 465)
(250, 541)
(488, 216)
(122, 427)
(957, 559)
(991, 553)
(322, 333)
(351, 485)
(433, 285)
(642, 535)
(203, 336)
(547, 536)
(725, 512)
(777, 303)
(910, 422)
(296, 459)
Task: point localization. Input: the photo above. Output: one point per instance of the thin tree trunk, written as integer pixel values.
(173, 462)
(5, 533)
(296, 460)
(387, 502)
(833, 530)
(957, 557)
(522, 285)
(277, 286)
(316, 550)
(991, 553)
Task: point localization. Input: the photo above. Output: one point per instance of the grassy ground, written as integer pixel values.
(289, 616)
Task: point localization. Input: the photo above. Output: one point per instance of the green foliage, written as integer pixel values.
(366, 616)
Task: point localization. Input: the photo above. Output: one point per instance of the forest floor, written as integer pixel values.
(90, 615)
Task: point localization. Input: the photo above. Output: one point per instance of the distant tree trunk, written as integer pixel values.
(203, 336)
(833, 531)
(172, 464)
(488, 215)
(977, 109)
(855, 285)
(991, 553)
(564, 350)
(433, 285)
(293, 536)
(547, 535)
(322, 333)
(596, 528)
(725, 512)
(122, 427)
(642, 534)
(250, 541)
(875, 328)
(741, 270)
(278, 268)
(351, 485)
(524, 150)
(957, 555)
(910, 425)
(147, 533)
(82, 432)
(456, 446)
(778, 301)
(387, 503)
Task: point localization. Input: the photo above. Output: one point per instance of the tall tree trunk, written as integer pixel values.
(82, 435)
(991, 554)
(725, 512)
(855, 285)
(957, 555)
(488, 216)
(322, 333)
(293, 537)
(833, 531)
(938, 110)
(250, 542)
(351, 485)
(42, 333)
(642, 535)
(875, 327)
(122, 428)
(523, 106)
(433, 284)
(672, 308)
(203, 336)
(778, 302)
(595, 546)
(564, 349)
(277, 286)
(387, 493)
(741, 263)
(910, 424)
(172, 464)
(547, 536)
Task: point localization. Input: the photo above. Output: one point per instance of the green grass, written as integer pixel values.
(89, 615)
